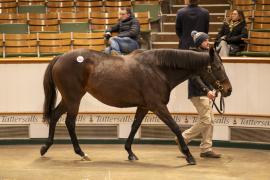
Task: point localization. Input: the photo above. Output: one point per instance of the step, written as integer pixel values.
(212, 8)
(164, 37)
(214, 17)
(181, 2)
(159, 45)
(171, 45)
(213, 27)
(172, 37)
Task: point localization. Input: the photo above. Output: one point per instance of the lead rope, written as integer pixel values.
(221, 109)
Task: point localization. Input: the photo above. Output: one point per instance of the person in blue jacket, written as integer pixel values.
(128, 30)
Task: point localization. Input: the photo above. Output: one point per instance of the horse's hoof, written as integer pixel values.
(191, 160)
(43, 150)
(133, 158)
(86, 158)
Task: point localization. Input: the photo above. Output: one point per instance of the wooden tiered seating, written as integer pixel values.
(93, 41)
(61, 6)
(102, 21)
(89, 6)
(153, 6)
(31, 2)
(244, 5)
(144, 19)
(146, 2)
(104, 15)
(8, 6)
(261, 23)
(54, 44)
(102, 24)
(32, 6)
(259, 42)
(112, 6)
(59, 13)
(74, 22)
(11, 18)
(48, 44)
(14, 28)
(43, 22)
(262, 13)
(262, 20)
(263, 5)
(20, 45)
(70, 17)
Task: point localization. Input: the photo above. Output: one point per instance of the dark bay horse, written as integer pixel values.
(143, 79)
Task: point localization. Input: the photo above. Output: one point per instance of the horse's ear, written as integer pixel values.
(212, 53)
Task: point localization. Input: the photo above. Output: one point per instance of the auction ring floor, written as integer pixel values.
(109, 162)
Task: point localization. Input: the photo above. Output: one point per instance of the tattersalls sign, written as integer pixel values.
(127, 118)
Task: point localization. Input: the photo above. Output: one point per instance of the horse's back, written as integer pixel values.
(120, 81)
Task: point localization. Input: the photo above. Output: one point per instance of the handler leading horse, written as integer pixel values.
(142, 79)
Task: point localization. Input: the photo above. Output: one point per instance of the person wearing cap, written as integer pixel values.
(189, 18)
(128, 30)
(201, 41)
(201, 94)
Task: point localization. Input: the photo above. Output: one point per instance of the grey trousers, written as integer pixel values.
(223, 48)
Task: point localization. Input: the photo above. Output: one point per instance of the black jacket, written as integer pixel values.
(234, 36)
(196, 86)
(129, 27)
(188, 19)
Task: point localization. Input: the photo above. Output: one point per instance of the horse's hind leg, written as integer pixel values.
(71, 123)
(56, 114)
(140, 114)
(163, 113)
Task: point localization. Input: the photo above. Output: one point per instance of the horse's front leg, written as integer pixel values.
(70, 123)
(163, 113)
(140, 114)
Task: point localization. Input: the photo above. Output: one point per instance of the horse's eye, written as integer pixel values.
(218, 68)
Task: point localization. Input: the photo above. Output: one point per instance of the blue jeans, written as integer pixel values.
(122, 45)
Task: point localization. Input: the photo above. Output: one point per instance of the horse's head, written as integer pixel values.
(215, 74)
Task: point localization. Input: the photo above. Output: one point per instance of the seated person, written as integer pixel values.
(127, 39)
(230, 38)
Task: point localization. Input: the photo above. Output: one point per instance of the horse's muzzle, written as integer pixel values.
(228, 92)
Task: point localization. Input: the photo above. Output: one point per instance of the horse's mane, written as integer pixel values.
(174, 58)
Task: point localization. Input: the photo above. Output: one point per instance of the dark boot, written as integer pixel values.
(210, 154)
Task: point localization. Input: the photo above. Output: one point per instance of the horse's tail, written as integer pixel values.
(49, 91)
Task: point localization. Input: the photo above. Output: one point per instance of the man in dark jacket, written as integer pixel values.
(200, 94)
(127, 39)
(188, 19)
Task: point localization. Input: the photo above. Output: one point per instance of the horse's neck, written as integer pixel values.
(177, 76)
(183, 65)
(182, 59)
